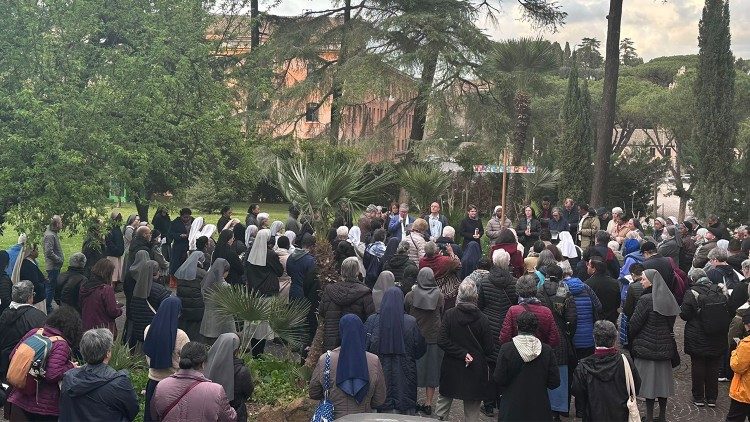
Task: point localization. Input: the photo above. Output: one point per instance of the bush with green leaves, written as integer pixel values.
(277, 380)
(206, 196)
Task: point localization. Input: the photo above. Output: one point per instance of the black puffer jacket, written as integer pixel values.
(564, 310)
(6, 287)
(404, 271)
(142, 313)
(14, 324)
(496, 295)
(339, 299)
(189, 291)
(114, 242)
(697, 342)
(650, 333)
(599, 387)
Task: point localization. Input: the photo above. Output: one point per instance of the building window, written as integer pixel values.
(311, 113)
(667, 152)
(652, 151)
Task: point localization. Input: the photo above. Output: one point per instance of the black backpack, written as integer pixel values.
(713, 311)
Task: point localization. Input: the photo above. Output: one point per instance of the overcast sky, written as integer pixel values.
(658, 28)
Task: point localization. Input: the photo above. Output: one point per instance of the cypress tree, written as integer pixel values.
(715, 132)
(574, 147)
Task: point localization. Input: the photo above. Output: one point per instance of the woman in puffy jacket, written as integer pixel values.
(652, 342)
(99, 307)
(189, 278)
(40, 401)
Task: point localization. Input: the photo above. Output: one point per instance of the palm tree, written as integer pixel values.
(424, 184)
(518, 66)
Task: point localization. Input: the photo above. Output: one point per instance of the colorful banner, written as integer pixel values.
(494, 168)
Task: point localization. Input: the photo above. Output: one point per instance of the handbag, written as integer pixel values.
(675, 359)
(634, 415)
(324, 411)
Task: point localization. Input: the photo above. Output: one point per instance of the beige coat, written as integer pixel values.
(589, 226)
(344, 404)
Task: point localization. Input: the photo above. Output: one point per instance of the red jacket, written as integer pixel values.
(99, 307)
(46, 400)
(440, 264)
(516, 257)
(547, 331)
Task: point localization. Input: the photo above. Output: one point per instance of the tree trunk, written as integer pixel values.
(423, 94)
(520, 133)
(607, 118)
(683, 208)
(141, 207)
(255, 26)
(336, 89)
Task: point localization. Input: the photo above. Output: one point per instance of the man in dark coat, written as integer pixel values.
(69, 282)
(718, 228)
(301, 266)
(601, 249)
(655, 261)
(599, 380)
(95, 391)
(525, 370)
(571, 213)
(721, 272)
(252, 216)
(179, 231)
(20, 317)
(226, 215)
(607, 289)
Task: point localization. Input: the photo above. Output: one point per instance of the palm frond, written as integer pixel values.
(543, 179)
(288, 321)
(424, 184)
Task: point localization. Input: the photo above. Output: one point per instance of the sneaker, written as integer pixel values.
(427, 410)
(487, 411)
(699, 403)
(723, 379)
(711, 403)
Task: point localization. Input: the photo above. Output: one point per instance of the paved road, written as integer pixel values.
(679, 407)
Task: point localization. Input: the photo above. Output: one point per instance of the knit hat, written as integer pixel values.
(616, 210)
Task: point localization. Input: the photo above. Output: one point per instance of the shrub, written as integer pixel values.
(209, 197)
(277, 381)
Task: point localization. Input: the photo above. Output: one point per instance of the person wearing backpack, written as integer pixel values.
(20, 317)
(373, 256)
(707, 320)
(39, 398)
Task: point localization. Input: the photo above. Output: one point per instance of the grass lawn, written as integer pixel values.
(71, 242)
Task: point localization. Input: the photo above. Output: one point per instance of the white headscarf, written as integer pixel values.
(15, 276)
(566, 246)
(276, 227)
(195, 232)
(262, 216)
(250, 232)
(208, 230)
(259, 251)
(355, 235)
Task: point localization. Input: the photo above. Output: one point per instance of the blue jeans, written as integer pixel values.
(50, 288)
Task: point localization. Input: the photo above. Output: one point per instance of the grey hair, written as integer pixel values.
(342, 232)
(449, 231)
(350, 269)
(746, 264)
(403, 207)
(501, 258)
(526, 286)
(77, 260)
(718, 254)
(546, 258)
(602, 236)
(55, 219)
(696, 274)
(95, 344)
(430, 249)
(22, 291)
(557, 209)
(467, 292)
(605, 333)
(403, 246)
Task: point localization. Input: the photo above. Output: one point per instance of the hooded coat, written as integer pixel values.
(68, 285)
(302, 269)
(524, 384)
(599, 387)
(339, 299)
(15, 322)
(697, 342)
(404, 270)
(97, 393)
(465, 330)
(189, 291)
(496, 295)
(588, 308)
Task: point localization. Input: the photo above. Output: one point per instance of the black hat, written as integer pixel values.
(746, 318)
(648, 246)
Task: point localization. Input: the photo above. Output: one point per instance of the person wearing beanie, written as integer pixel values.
(495, 225)
(654, 261)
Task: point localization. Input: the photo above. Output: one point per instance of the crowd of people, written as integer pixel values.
(544, 319)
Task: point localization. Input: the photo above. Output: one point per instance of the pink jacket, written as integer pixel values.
(47, 400)
(205, 402)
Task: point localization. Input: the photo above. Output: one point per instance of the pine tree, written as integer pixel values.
(566, 54)
(628, 55)
(714, 137)
(574, 147)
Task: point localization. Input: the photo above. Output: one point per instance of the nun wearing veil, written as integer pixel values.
(357, 384)
(189, 278)
(263, 269)
(225, 368)
(215, 323)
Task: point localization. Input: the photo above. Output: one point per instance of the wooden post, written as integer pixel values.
(505, 183)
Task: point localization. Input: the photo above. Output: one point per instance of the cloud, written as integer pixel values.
(658, 28)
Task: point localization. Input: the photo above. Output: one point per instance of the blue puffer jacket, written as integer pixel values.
(630, 259)
(587, 307)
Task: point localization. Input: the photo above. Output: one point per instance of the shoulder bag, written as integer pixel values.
(324, 411)
(634, 414)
